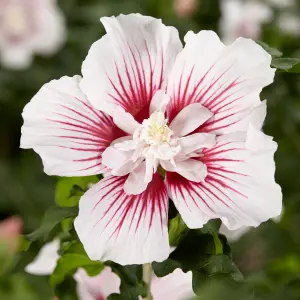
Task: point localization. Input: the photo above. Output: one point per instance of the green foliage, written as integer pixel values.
(72, 258)
(177, 230)
(52, 218)
(196, 252)
(286, 64)
(70, 189)
(132, 285)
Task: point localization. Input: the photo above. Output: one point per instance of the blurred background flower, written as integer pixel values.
(29, 27)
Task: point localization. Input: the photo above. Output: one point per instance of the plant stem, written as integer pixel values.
(147, 277)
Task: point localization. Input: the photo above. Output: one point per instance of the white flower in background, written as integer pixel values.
(29, 27)
(175, 286)
(289, 23)
(145, 108)
(243, 19)
(185, 8)
(235, 235)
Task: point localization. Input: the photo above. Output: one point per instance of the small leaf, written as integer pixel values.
(70, 189)
(274, 52)
(51, 219)
(74, 257)
(132, 285)
(285, 64)
(177, 230)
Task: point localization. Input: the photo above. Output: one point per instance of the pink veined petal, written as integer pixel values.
(66, 131)
(127, 229)
(196, 141)
(239, 187)
(175, 286)
(189, 119)
(227, 80)
(125, 121)
(131, 61)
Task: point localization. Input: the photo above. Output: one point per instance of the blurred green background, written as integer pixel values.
(269, 255)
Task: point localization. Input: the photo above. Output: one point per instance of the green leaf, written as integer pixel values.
(74, 257)
(274, 52)
(285, 64)
(24, 244)
(51, 219)
(196, 252)
(177, 230)
(70, 189)
(132, 285)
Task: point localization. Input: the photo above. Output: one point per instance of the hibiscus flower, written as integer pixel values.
(28, 27)
(159, 121)
(243, 19)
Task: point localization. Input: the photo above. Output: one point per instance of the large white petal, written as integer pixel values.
(130, 61)
(227, 80)
(127, 229)
(66, 131)
(239, 188)
(45, 261)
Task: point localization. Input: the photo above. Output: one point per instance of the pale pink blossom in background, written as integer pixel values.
(10, 230)
(175, 286)
(185, 8)
(144, 107)
(243, 19)
(29, 27)
(289, 23)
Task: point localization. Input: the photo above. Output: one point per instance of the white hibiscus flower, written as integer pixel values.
(28, 27)
(243, 19)
(160, 122)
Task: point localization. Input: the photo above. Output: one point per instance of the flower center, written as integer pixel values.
(155, 130)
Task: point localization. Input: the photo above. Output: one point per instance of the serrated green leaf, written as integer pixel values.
(132, 285)
(51, 219)
(274, 52)
(177, 230)
(70, 189)
(285, 64)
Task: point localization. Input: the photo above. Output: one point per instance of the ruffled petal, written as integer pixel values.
(191, 169)
(239, 188)
(189, 119)
(66, 131)
(124, 228)
(227, 80)
(131, 61)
